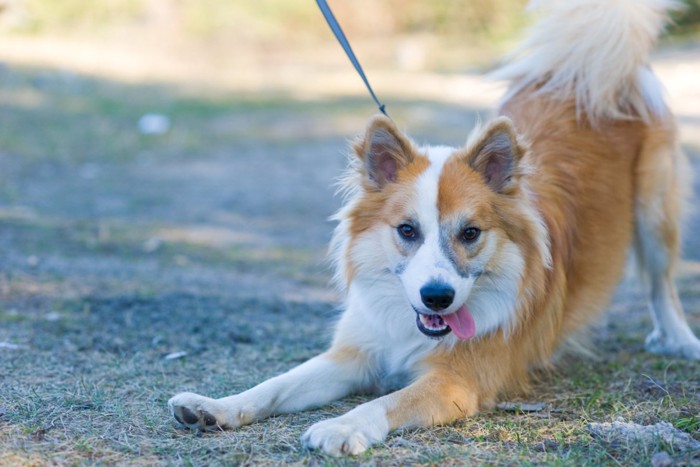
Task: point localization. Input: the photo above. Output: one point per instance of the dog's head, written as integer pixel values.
(455, 227)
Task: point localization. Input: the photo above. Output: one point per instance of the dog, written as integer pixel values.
(465, 268)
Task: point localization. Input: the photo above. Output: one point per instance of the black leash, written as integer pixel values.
(335, 27)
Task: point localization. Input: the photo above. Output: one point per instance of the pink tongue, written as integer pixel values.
(461, 322)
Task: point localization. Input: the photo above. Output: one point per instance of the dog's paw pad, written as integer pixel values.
(208, 419)
(201, 419)
(189, 417)
(190, 410)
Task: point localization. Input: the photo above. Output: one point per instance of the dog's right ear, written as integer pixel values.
(497, 153)
(383, 151)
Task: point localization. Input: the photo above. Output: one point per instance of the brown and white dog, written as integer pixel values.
(463, 268)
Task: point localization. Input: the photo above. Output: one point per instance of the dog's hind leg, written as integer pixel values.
(662, 179)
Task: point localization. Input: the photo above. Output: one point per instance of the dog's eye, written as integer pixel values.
(407, 231)
(470, 234)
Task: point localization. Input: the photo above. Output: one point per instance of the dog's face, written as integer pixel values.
(443, 221)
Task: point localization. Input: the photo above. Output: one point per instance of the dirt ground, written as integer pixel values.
(134, 266)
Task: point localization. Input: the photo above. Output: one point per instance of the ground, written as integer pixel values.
(135, 266)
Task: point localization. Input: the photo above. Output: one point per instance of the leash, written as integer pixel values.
(335, 27)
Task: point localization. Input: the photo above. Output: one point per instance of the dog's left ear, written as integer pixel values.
(496, 154)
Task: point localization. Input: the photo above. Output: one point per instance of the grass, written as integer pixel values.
(109, 407)
(235, 278)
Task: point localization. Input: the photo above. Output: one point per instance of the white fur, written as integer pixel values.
(379, 320)
(351, 433)
(315, 382)
(596, 51)
(429, 263)
(379, 316)
(671, 334)
(494, 300)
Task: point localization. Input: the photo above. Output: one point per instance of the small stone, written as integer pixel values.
(629, 432)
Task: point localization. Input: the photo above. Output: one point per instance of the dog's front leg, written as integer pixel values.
(433, 399)
(323, 379)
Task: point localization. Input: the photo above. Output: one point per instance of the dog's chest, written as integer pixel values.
(383, 325)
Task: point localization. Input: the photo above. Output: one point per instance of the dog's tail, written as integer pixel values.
(597, 52)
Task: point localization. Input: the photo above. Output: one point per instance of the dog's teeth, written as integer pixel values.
(433, 322)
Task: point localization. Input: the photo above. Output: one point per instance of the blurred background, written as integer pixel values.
(267, 44)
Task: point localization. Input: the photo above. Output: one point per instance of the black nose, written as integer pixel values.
(437, 296)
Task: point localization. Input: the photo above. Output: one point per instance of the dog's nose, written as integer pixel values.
(437, 296)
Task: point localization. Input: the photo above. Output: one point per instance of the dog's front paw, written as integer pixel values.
(197, 412)
(349, 434)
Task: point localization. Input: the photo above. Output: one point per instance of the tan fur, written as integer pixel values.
(449, 399)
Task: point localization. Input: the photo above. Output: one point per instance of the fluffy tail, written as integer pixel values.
(597, 52)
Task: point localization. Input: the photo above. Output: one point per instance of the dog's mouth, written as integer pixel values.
(461, 322)
(432, 325)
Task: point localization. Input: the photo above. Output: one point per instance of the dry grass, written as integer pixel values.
(104, 401)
